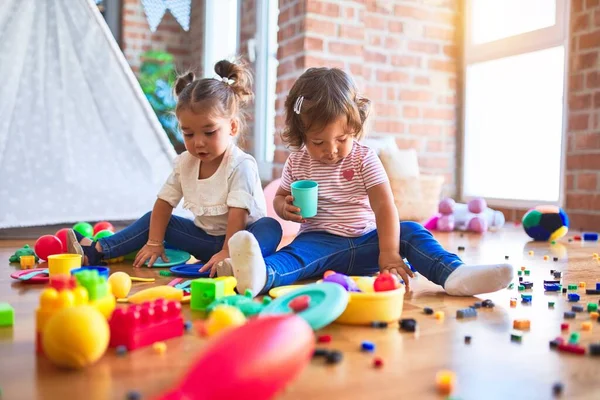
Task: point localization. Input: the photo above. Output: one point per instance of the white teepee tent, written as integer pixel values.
(78, 140)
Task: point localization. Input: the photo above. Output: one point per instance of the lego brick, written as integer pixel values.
(466, 313)
(595, 349)
(551, 281)
(592, 291)
(487, 304)
(62, 282)
(140, 325)
(7, 315)
(590, 236)
(522, 324)
(552, 287)
(571, 348)
(27, 262)
(586, 326)
(577, 308)
(97, 286)
(528, 285)
(569, 315)
(557, 274)
(574, 338)
(206, 290)
(573, 297)
(572, 287)
(408, 324)
(598, 286)
(592, 307)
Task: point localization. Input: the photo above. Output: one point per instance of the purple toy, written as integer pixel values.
(343, 280)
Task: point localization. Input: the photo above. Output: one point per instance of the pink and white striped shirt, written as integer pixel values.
(343, 205)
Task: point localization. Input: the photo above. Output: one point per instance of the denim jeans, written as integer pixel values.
(313, 253)
(182, 234)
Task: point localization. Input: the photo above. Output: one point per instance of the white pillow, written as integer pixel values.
(400, 163)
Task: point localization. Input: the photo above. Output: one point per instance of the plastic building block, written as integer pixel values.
(592, 307)
(367, 346)
(408, 324)
(571, 348)
(521, 288)
(444, 381)
(487, 304)
(550, 304)
(555, 259)
(516, 337)
(528, 285)
(522, 324)
(141, 325)
(572, 286)
(552, 287)
(597, 285)
(546, 258)
(594, 315)
(7, 315)
(134, 395)
(557, 274)
(506, 257)
(160, 347)
(439, 315)
(511, 286)
(206, 290)
(513, 303)
(552, 282)
(334, 357)
(324, 339)
(592, 291)
(63, 282)
(461, 248)
(377, 362)
(554, 343)
(576, 238)
(466, 313)
(519, 273)
(569, 315)
(595, 349)
(573, 297)
(97, 287)
(586, 326)
(523, 268)
(577, 308)
(527, 272)
(564, 290)
(428, 310)
(557, 389)
(582, 285)
(527, 297)
(574, 338)
(590, 236)
(531, 252)
(520, 279)
(477, 305)
(27, 262)
(564, 327)
(467, 339)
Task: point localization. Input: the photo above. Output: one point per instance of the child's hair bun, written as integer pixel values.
(240, 76)
(183, 81)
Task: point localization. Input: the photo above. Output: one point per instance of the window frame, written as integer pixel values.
(544, 38)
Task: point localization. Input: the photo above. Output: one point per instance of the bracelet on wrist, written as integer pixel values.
(153, 244)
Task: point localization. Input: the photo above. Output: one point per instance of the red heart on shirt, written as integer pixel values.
(348, 174)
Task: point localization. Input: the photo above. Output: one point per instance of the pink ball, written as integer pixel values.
(289, 228)
(62, 236)
(446, 206)
(46, 246)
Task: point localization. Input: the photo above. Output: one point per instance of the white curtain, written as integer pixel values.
(78, 140)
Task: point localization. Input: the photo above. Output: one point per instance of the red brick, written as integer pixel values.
(349, 12)
(376, 40)
(439, 113)
(312, 43)
(578, 122)
(384, 126)
(583, 161)
(290, 47)
(597, 100)
(387, 109)
(323, 8)
(392, 43)
(421, 80)
(584, 220)
(373, 21)
(406, 61)
(586, 61)
(410, 112)
(587, 141)
(589, 4)
(570, 181)
(449, 100)
(434, 162)
(442, 65)
(580, 102)
(411, 12)
(581, 23)
(356, 70)
(416, 95)
(576, 82)
(425, 129)
(345, 49)
(280, 156)
(374, 91)
(375, 56)
(318, 26)
(314, 61)
(405, 143)
(592, 79)
(451, 51)
(392, 76)
(577, 5)
(423, 47)
(352, 32)
(391, 94)
(436, 146)
(433, 32)
(395, 26)
(587, 181)
(597, 18)
(590, 40)
(583, 201)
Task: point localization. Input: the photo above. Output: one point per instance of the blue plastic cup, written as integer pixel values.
(305, 195)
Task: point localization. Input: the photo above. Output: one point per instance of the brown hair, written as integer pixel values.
(327, 94)
(229, 97)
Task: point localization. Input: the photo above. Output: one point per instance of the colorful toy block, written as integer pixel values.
(439, 315)
(513, 303)
(99, 293)
(592, 307)
(557, 274)
(595, 349)
(564, 327)
(569, 315)
(571, 348)
(522, 324)
(574, 338)
(577, 308)
(572, 287)
(582, 285)
(63, 282)
(445, 381)
(206, 290)
(140, 325)
(528, 285)
(7, 315)
(586, 326)
(27, 262)
(552, 287)
(594, 315)
(527, 272)
(466, 313)
(573, 297)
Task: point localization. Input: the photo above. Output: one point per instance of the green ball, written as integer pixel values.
(103, 234)
(84, 229)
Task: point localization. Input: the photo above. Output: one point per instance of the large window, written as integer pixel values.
(514, 101)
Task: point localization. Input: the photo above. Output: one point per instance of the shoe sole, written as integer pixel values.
(73, 246)
(224, 268)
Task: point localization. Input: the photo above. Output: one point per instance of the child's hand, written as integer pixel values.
(150, 252)
(394, 264)
(214, 261)
(290, 211)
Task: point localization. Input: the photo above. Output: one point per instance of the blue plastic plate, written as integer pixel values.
(189, 271)
(176, 257)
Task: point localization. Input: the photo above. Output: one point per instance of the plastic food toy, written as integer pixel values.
(282, 346)
(223, 317)
(342, 280)
(23, 251)
(120, 283)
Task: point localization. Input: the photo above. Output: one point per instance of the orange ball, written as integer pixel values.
(327, 273)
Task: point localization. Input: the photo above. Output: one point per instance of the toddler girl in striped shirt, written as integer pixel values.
(356, 230)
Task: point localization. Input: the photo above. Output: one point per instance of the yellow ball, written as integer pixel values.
(120, 283)
(223, 317)
(76, 337)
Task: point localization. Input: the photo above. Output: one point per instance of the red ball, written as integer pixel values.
(62, 236)
(104, 225)
(47, 245)
(385, 282)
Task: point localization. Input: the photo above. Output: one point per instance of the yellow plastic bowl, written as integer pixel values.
(366, 307)
(62, 264)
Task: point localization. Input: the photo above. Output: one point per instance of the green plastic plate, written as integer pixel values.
(327, 302)
(176, 257)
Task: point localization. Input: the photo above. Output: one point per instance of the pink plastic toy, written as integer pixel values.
(47, 245)
(144, 324)
(260, 358)
(474, 216)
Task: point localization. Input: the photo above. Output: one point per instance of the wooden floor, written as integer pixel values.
(491, 367)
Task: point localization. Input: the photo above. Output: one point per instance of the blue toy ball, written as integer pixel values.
(546, 223)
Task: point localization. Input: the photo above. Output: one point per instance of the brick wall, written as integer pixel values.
(402, 55)
(248, 32)
(170, 36)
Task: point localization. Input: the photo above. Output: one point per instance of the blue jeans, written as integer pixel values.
(313, 253)
(182, 234)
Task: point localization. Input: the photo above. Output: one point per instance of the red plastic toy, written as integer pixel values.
(144, 324)
(261, 357)
(63, 282)
(385, 282)
(300, 303)
(47, 245)
(61, 234)
(100, 226)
